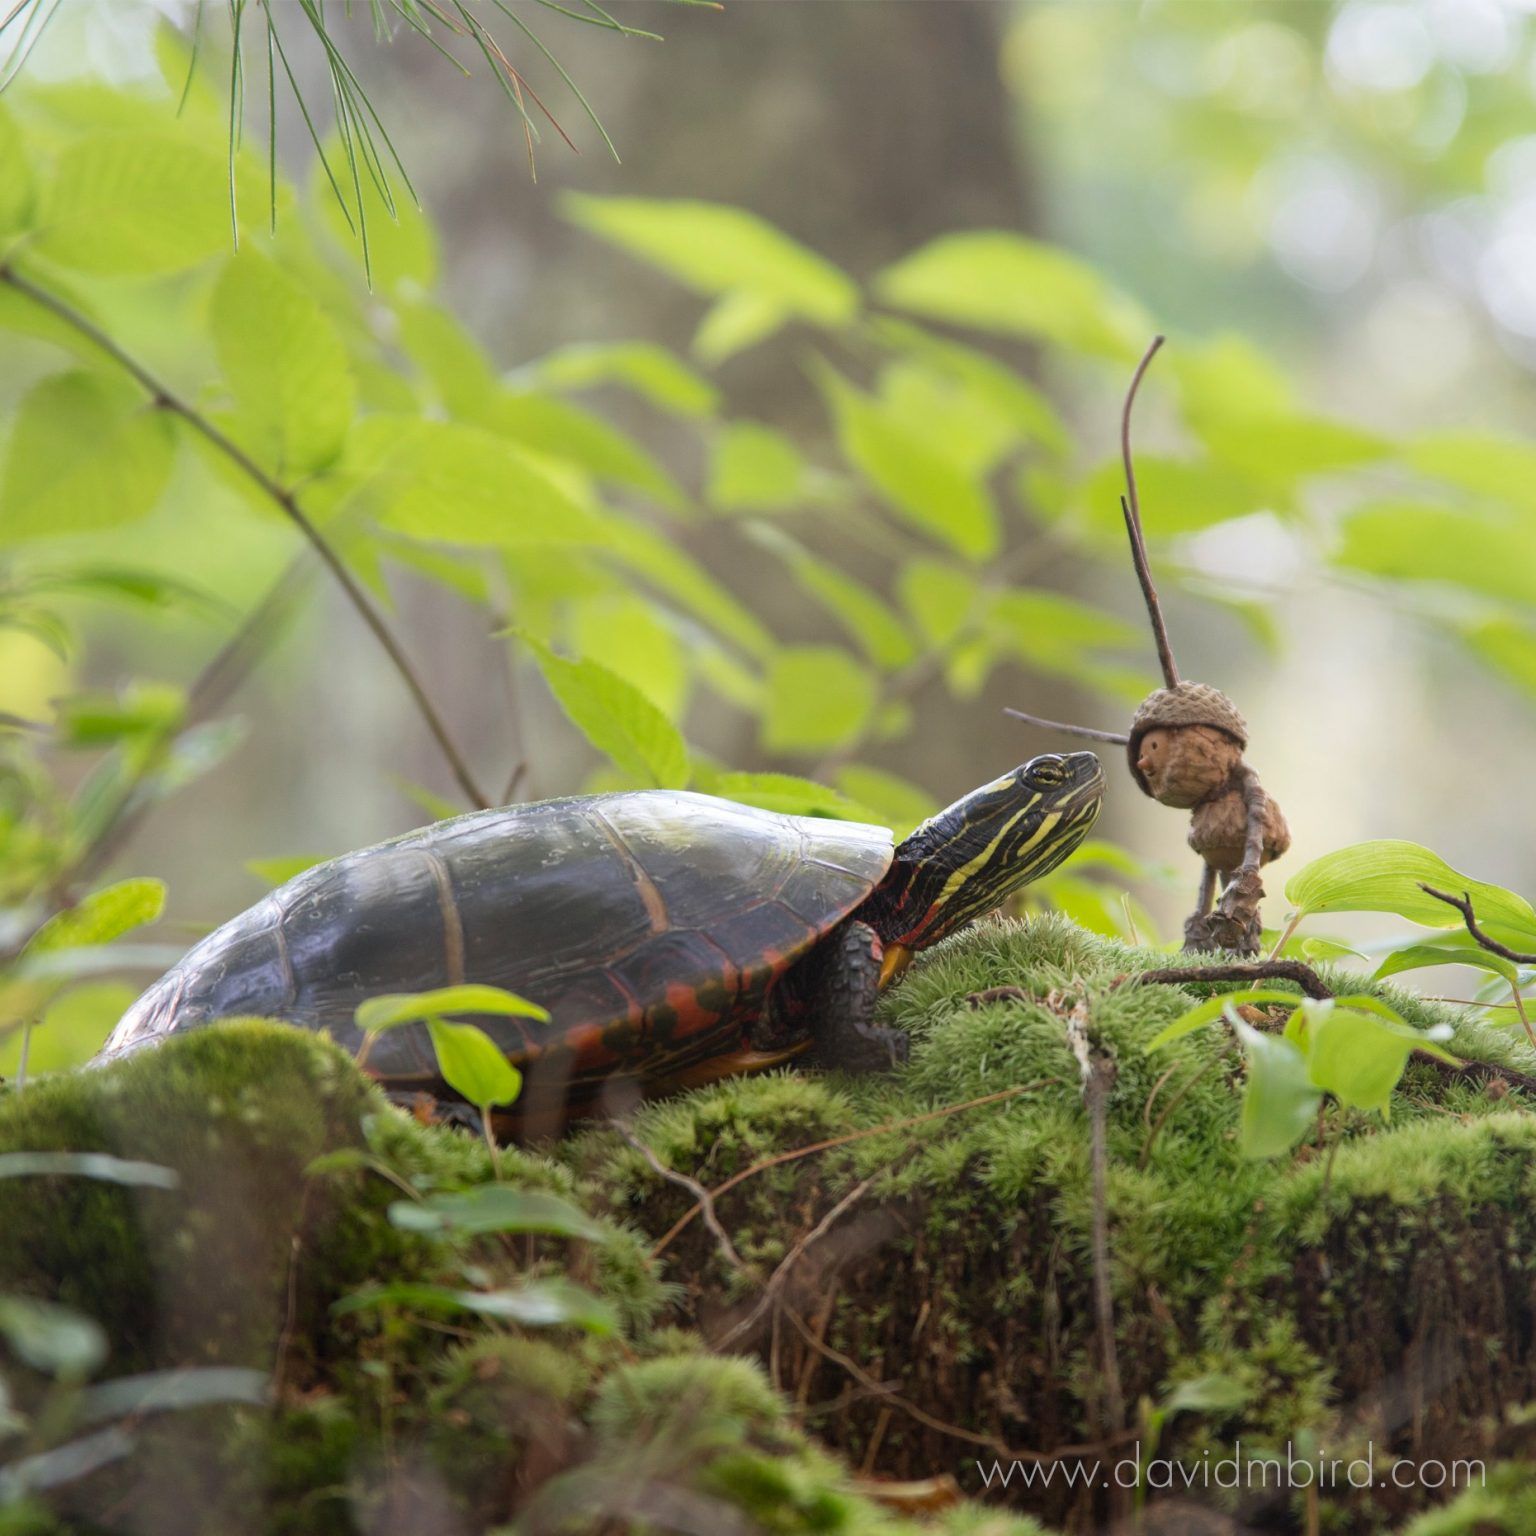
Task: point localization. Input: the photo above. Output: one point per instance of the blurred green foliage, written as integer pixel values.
(569, 502)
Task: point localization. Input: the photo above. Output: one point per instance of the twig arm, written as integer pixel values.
(1117, 737)
(1254, 800)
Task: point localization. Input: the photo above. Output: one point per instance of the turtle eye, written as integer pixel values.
(1047, 772)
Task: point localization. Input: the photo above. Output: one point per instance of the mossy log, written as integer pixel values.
(921, 1293)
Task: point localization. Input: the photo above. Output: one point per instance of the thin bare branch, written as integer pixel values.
(1246, 970)
(1463, 904)
(706, 1203)
(282, 498)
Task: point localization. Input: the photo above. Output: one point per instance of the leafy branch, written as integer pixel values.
(283, 498)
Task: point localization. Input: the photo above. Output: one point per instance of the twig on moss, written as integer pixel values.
(1173, 1103)
(794, 1153)
(163, 399)
(1098, 1079)
(780, 1277)
(705, 1200)
(1247, 970)
(888, 1394)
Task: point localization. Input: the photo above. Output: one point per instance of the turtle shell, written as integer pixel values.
(651, 925)
(1183, 704)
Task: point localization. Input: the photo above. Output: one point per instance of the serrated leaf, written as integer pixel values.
(134, 204)
(647, 369)
(736, 322)
(819, 698)
(942, 599)
(631, 636)
(717, 249)
(496, 1208)
(997, 281)
(85, 452)
(1177, 496)
(472, 1063)
(392, 1009)
(615, 717)
(930, 490)
(1385, 876)
(284, 362)
(462, 485)
(101, 917)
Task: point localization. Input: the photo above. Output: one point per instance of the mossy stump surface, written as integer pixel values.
(921, 1298)
(1381, 1292)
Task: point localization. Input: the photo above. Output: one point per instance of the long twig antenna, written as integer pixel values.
(1118, 737)
(1130, 507)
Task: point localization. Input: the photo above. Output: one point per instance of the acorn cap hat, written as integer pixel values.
(1183, 704)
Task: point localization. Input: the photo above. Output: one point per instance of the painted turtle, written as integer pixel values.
(673, 937)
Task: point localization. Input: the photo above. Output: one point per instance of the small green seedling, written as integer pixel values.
(1352, 1049)
(471, 1062)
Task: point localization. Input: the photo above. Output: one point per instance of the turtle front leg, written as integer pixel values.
(841, 998)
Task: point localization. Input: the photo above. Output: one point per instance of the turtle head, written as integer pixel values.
(972, 856)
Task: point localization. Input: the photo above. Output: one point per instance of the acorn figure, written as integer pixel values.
(1185, 749)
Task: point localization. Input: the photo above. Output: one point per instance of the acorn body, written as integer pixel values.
(1218, 830)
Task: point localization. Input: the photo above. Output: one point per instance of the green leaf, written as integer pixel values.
(472, 1063)
(462, 485)
(173, 1391)
(786, 793)
(633, 637)
(284, 362)
(819, 698)
(660, 561)
(1213, 1008)
(649, 370)
(86, 452)
(1502, 468)
(754, 469)
(101, 917)
(866, 619)
(615, 717)
(1280, 1100)
(18, 190)
(539, 1304)
(436, 340)
(950, 418)
(52, 1338)
(134, 204)
(987, 385)
(930, 490)
(738, 321)
(943, 599)
(896, 802)
(565, 431)
(87, 1165)
(1356, 1058)
(1003, 282)
(1385, 877)
(1508, 647)
(496, 1208)
(1177, 496)
(1417, 957)
(1491, 552)
(401, 248)
(716, 249)
(391, 1009)
(1056, 634)
(1284, 448)
(1226, 378)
